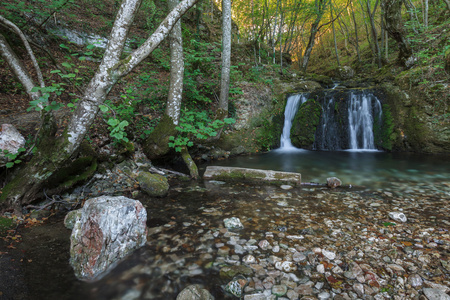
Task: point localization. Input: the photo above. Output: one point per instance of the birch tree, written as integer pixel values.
(53, 152)
(226, 60)
(157, 143)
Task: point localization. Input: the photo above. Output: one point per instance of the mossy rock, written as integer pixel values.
(157, 143)
(75, 172)
(305, 124)
(71, 218)
(384, 134)
(154, 185)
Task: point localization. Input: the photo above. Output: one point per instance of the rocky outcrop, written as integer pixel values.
(106, 230)
(416, 123)
(345, 73)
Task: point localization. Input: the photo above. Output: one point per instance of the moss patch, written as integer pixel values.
(384, 133)
(5, 224)
(157, 143)
(78, 171)
(153, 184)
(305, 124)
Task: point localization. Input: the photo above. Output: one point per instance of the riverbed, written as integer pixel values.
(337, 242)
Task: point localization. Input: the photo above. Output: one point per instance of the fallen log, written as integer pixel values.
(251, 175)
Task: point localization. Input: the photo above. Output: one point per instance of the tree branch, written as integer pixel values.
(19, 32)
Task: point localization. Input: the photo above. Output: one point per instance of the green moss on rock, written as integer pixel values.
(157, 143)
(153, 184)
(385, 136)
(305, 124)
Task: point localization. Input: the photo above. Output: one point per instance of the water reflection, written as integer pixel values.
(374, 168)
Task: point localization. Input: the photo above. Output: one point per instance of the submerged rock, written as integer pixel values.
(233, 223)
(396, 216)
(106, 230)
(194, 292)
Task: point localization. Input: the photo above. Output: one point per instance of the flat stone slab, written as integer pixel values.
(251, 175)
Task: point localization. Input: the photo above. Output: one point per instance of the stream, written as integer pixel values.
(188, 244)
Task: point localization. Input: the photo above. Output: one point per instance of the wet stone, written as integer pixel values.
(398, 216)
(233, 223)
(279, 290)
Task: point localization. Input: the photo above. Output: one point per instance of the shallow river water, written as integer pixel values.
(301, 243)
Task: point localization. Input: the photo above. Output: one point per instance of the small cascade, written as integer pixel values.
(292, 105)
(346, 121)
(361, 110)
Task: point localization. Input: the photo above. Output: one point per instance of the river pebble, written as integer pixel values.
(320, 244)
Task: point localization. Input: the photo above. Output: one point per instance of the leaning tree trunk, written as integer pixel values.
(157, 143)
(394, 27)
(52, 154)
(310, 45)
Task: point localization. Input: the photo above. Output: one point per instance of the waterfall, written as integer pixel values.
(346, 122)
(292, 105)
(360, 116)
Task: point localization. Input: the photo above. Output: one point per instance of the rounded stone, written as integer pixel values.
(279, 290)
(194, 291)
(154, 185)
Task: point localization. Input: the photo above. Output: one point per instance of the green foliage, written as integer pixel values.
(196, 125)
(149, 10)
(14, 10)
(13, 158)
(71, 74)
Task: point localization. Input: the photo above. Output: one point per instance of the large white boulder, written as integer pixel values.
(106, 230)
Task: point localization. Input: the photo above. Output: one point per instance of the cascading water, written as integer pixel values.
(360, 115)
(346, 121)
(292, 105)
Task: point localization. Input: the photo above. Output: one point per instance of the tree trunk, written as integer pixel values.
(374, 31)
(226, 59)
(394, 27)
(157, 143)
(193, 170)
(356, 33)
(334, 35)
(425, 13)
(52, 154)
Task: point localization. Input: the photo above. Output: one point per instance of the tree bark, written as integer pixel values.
(157, 143)
(334, 35)
(193, 170)
(394, 27)
(356, 32)
(52, 155)
(374, 31)
(226, 59)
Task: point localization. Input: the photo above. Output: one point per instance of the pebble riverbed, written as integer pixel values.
(294, 243)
